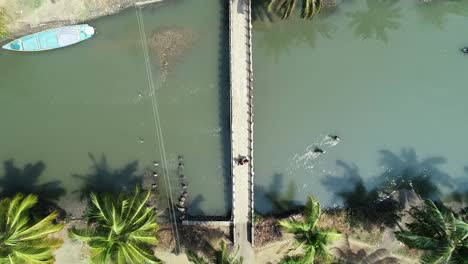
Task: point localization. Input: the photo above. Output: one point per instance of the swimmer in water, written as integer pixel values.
(318, 150)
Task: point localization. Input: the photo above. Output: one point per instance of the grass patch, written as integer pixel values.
(3, 20)
(32, 3)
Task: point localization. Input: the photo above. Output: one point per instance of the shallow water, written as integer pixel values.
(387, 77)
(65, 108)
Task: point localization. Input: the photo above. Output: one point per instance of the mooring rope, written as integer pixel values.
(157, 125)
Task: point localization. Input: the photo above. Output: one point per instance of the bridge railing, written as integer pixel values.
(251, 119)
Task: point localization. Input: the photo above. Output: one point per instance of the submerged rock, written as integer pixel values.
(170, 45)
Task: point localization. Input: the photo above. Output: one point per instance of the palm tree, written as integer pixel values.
(23, 240)
(121, 229)
(196, 259)
(435, 230)
(222, 256)
(306, 234)
(379, 256)
(286, 7)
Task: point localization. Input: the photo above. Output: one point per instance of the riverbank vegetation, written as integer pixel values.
(431, 232)
(221, 256)
(122, 228)
(3, 23)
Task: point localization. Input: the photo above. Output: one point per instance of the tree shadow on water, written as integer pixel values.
(436, 12)
(408, 165)
(364, 204)
(280, 202)
(17, 180)
(343, 182)
(195, 208)
(379, 17)
(260, 10)
(404, 179)
(460, 194)
(279, 37)
(103, 179)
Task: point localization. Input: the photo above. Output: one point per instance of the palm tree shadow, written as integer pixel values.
(460, 194)
(103, 179)
(17, 180)
(436, 12)
(194, 209)
(404, 179)
(278, 37)
(281, 203)
(346, 255)
(351, 175)
(260, 10)
(407, 166)
(380, 17)
(364, 204)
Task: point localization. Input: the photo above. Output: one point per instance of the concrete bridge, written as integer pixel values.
(241, 79)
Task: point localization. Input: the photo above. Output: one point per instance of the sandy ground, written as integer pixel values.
(28, 15)
(71, 252)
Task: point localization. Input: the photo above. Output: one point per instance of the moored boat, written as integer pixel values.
(52, 39)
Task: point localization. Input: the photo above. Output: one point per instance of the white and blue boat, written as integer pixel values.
(52, 39)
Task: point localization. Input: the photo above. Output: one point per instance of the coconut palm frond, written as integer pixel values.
(121, 228)
(196, 259)
(416, 241)
(224, 257)
(312, 211)
(285, 8)
(292, 226)
(313, 240)
(436, 230)
(22, 240)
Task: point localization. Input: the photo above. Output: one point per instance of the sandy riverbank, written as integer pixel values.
(24, 16)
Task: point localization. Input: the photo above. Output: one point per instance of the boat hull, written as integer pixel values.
(52, 39)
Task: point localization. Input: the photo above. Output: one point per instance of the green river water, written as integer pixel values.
(92, 99)
(387, 77)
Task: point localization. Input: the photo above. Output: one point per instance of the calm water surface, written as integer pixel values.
(87, 110)
(387, 77)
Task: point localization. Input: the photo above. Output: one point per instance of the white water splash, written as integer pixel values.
(308, 159)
